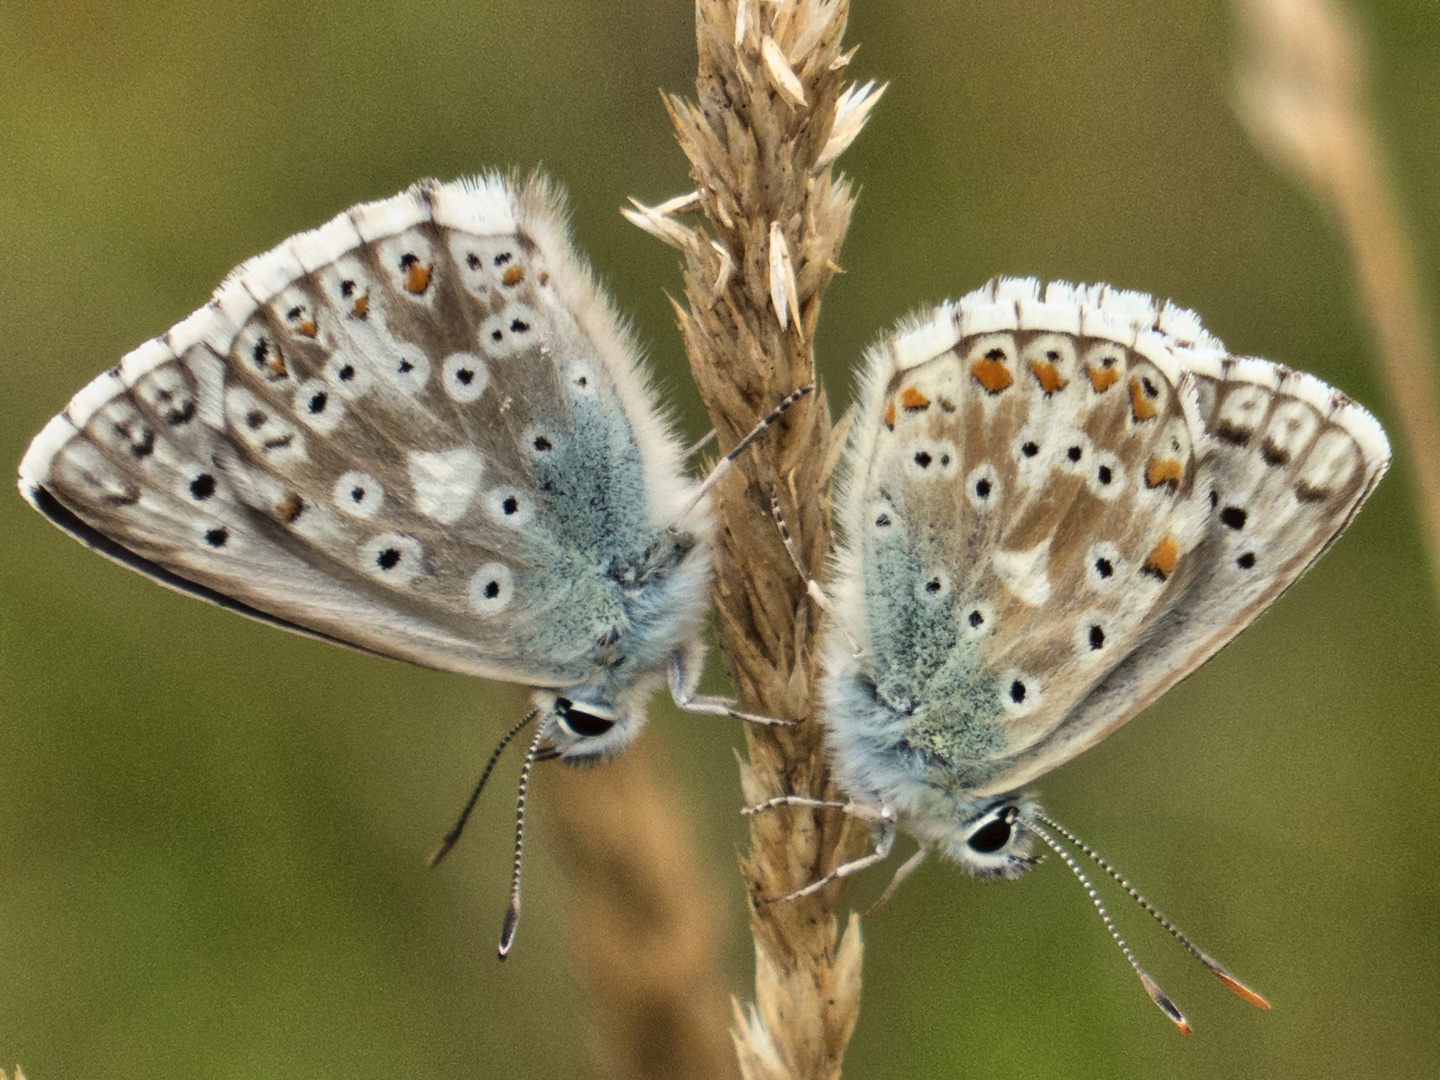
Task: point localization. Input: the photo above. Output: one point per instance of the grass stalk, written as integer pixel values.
(761, 239)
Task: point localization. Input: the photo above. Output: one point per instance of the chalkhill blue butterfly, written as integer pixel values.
(422, 431)
(1056, 506)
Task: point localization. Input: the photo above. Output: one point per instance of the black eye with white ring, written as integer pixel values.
(580, 722)
(995, 833)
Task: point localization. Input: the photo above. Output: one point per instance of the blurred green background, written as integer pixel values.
(212, 834)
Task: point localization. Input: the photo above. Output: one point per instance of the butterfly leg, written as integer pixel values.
(811, 585)
(685, 673)
(863, 811)
(883, 847)
(883, 816)
(691, 451)
(906, 869)
(724, 465)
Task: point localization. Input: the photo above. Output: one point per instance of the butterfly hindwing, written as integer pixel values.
(419, 429)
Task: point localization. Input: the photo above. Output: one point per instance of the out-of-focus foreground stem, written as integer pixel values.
(646, 925)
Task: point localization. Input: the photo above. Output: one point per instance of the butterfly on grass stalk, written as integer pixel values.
(1056, 506)
(421, 431)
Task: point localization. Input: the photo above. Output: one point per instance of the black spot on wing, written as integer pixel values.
(65, 519)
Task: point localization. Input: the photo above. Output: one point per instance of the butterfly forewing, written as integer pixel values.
(418, 430)
(1290, 461)
(1061, 505)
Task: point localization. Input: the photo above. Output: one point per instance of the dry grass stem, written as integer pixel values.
(771, 113)
(1301, 94)
(645, 922)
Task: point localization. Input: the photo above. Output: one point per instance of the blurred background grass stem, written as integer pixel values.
(1302, 93)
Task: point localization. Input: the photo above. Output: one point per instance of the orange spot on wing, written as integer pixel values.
(513, 275)
(1162, 560)
(1164, 471)
(1048, 376)
(1140, 405)
(890, 415)
(361, 307)
(990, 373)
(914, 399)
(417, 277)
(308, 328)
(273, 362)
(289, 508)
(1102, 378)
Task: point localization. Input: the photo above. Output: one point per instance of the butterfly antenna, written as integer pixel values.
(1168, 1007)
(1229, 981)
(512, 913)
(723, 466)
(453, 836)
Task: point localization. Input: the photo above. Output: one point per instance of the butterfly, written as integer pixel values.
(421, 431)
(1056, 506)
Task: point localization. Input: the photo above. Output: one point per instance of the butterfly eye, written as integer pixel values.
(538, 441)
(491, 588)
(410, 254)
(410, 372)
(994, 834)
(580, 722)
(348, 378)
